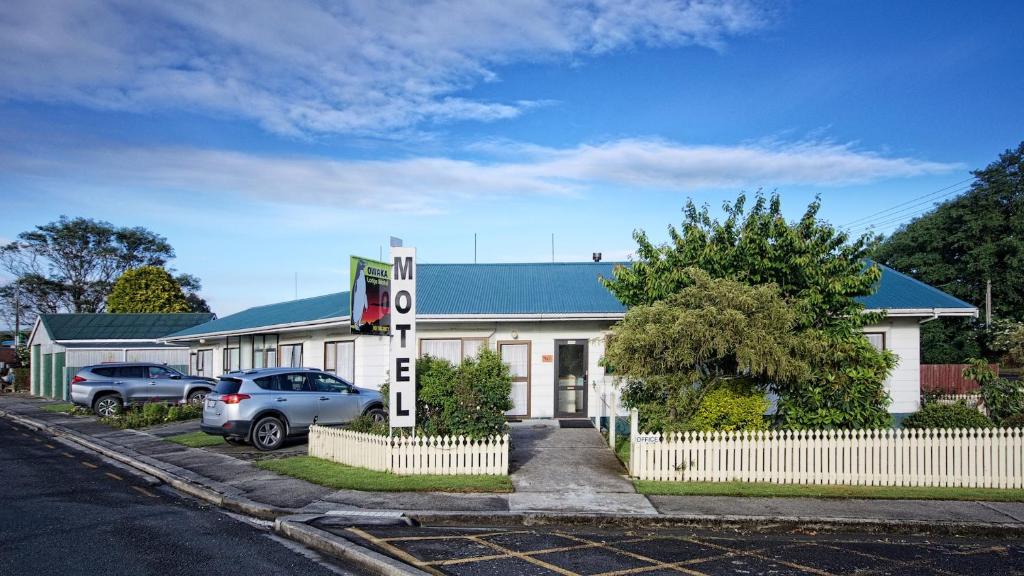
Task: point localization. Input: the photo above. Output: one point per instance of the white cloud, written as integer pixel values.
(430, 184)
(312, 67)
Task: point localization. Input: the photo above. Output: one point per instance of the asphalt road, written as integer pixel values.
(539, 551)
(64, 511)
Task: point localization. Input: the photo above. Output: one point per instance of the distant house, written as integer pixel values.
(548, 321)
(60, 344)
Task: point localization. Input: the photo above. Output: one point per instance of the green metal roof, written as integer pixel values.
(529, 289)
(119, 326)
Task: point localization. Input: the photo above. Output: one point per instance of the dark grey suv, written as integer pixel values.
(107, 388)
(267, 405)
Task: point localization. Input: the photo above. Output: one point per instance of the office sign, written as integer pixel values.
(369, 296)
(402, 397)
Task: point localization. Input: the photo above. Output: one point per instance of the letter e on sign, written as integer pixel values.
(402, 395)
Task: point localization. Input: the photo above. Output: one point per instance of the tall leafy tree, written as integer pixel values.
(959, 246)
(818, 270)
(70, 265)
(147, 289)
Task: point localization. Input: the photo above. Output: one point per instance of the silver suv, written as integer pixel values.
(107, 388)
(267, 405)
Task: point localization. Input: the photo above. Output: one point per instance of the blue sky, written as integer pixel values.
(272, 139)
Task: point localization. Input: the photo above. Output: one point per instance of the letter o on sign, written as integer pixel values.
(403, 301)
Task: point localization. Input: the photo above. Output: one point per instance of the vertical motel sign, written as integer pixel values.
(402, 395)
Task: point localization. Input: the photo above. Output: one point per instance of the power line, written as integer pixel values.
(893, 219)
(899, 215)
(890, 209)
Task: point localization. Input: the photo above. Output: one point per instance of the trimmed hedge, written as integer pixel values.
(958, 415)
(732, 405)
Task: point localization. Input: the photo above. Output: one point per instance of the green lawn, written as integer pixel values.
(340, 476)
(824, 491)
(196, 439)
(64, 407)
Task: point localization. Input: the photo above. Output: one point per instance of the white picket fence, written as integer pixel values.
(972, 400)
(411, 455)
(985, 458)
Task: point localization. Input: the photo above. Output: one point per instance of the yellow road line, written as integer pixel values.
(396, 552)
(144, 491)
(114, 476)
(90, 465)
(527, 558)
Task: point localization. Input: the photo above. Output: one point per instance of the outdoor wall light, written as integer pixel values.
(515, 335)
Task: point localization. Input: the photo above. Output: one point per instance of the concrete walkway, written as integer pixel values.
(568, 470)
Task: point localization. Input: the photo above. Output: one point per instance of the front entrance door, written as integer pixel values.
(570, 378)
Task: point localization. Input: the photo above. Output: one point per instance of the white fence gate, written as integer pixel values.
(411, 455)
(983, 458)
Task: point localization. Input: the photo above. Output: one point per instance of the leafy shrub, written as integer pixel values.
(152, 414)
(466, 400)
(731, 405)
(1015, 421)
(1002, 397)
(958, 415)
(366, 425)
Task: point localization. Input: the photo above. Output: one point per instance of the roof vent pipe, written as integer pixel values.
(597, 256)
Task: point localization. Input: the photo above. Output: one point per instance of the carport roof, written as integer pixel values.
(533, 289)
(108, 327)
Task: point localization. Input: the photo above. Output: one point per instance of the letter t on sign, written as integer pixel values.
(402, 396)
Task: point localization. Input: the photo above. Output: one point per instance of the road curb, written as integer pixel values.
(749, 523)
(297, 528)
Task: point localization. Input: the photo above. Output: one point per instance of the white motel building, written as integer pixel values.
(547, 320)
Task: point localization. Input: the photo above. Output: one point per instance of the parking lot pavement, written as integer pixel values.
(570, 552)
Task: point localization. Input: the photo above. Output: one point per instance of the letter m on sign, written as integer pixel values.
(403, 268)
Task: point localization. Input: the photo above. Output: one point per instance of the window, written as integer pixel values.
(328, 383)
(232, 355)
(292, 383)
(877, 339)
(202, 362)
(228, 386)
(160, 372)
(291, 355)
(340, 359)
(131, 372)
(264, 351)
(453, 350)
(105, 372)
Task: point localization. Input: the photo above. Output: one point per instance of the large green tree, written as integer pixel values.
(961, 245)
(817, 269)
(147, 289)
(70, 265)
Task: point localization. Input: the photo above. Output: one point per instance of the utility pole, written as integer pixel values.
(474, 247)
(988, 303)
(296, 285)
(17, 314)
(552, 246)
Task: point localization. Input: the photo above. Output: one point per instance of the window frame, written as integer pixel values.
(334, 370)
(462, 344)
(281, 354)
(885, 338)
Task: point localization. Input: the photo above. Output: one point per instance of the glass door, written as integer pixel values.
(570, 378)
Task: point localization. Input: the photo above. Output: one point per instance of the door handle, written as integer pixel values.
(322, 398)
(282, 399)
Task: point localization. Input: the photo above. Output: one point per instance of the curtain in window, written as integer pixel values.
(471, 347)
(518, 359)
(450, 350)
(346, 366)
(291, 355)
(877, 339)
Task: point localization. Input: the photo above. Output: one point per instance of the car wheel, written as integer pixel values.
(197, 397)
(378, 415)
(268, 433)
(235, 440)
(107, 406)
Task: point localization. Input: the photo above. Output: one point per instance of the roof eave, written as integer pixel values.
(934, 312)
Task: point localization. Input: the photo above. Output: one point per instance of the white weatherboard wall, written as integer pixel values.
(903, 338)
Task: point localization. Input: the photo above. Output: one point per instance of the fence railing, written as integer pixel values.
(948, 379)
(972, 400)
(987, 458)
(411, 455)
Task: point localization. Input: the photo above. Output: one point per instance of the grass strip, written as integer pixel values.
(764, 490)
(341, 477)
(196, 439)
(60, 407)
